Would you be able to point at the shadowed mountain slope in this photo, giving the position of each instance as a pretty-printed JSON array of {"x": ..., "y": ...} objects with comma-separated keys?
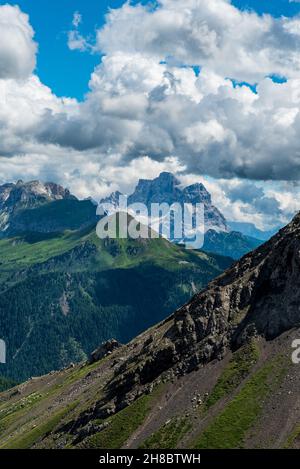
[
  {"x": 61, "y": 294},
  {"x": 216, "y": 374}
]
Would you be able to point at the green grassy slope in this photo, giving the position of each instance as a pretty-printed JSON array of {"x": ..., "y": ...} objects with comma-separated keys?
[
  {"x": 22, "y": 252},
  {"x": 64, "y": 294},
  {"x": 55, "y": 410}
]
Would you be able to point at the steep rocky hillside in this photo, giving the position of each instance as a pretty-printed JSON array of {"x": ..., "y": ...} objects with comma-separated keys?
[{"x": 216, "y": 374}]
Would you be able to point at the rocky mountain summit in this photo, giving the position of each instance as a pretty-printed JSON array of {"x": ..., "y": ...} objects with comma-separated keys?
[
  {"x": 57, "y": 208},
  {"x": 28, "y": 194},
  {"x": 217, "y": 373},
  {"x": 166, "y": 188}
]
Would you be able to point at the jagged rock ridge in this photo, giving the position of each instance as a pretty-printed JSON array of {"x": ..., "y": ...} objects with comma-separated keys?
[
  {"x": 258, "y": 296},
  {"x": 166, "y": 188}
]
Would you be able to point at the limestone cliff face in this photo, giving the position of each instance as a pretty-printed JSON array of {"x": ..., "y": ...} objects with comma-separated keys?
[
  {"x": 166, "y": 188},
  {"x": 29, "y": 194}
]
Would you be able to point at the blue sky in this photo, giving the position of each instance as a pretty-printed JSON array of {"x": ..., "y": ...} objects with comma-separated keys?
[
  {"x": 274, "y": 7},
  {"x": 67, "y": 72}
]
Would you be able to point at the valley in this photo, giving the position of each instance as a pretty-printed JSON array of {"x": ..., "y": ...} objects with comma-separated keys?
[
  {"x": 67, "y": 291},
  {"x": 216, "y": 374}
]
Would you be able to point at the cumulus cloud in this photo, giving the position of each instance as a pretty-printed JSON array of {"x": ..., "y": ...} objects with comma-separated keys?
[
  {"x": 147, "y": 99},
  {"x": 171, "y": 92},
  {"x": 17, "y": 47},
  {"x": 24, "y": 105},
  {"x": 140, "y": 107},
  {"x": 214, "y": 33}
]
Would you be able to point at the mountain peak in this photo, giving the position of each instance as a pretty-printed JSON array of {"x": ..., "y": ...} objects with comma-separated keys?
[
  {"x": 30, "y": 193},
  {"x": 41, "y": 207},
  {"x": 197, "y": 193},
  {"x": 165, "y": 182},
  {"x": 113, "y": 199},
  {"x": 166, "y": 188},
  {"x": 167, "y": 177}
]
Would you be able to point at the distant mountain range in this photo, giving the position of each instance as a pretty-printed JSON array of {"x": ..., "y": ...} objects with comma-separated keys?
[
  {"x": 63, "y": 290},
  {"x": 249, "y": 229},
  {"x": 233, "y": 244},
  {"x": 216, "y": 374},
  {"x": 166, "y": 188}
]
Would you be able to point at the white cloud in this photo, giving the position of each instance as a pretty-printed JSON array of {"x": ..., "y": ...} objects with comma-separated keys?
[
  {"x": 24, "y": 105},
  {"x": 17, "y": 47},
  {"x": 77, "y": 19},
  {"x": 213, "y": 33},
  {"x": 76, "y": 41},
  {"x": 144, "y": 102},
  {"x": 148, "y": 108}
]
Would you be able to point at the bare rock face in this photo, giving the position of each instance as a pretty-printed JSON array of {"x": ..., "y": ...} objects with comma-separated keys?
[
  {"x": 166, "y": 188},
  {"x": 258, "y": 296},
  {"x": 20, "y": 196},
  {"x": 13, "y": 196},
  {"x": 104, "y": 350}
]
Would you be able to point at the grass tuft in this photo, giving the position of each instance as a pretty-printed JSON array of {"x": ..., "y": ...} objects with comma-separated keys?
[{"x": 168, "y": 436}]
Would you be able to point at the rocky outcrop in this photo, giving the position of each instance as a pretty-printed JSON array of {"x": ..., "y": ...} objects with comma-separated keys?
[
  {"x": 167, "y": 189},
  {"x": 104, "y": 350},
  {"x": 21, "y": 194}
]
